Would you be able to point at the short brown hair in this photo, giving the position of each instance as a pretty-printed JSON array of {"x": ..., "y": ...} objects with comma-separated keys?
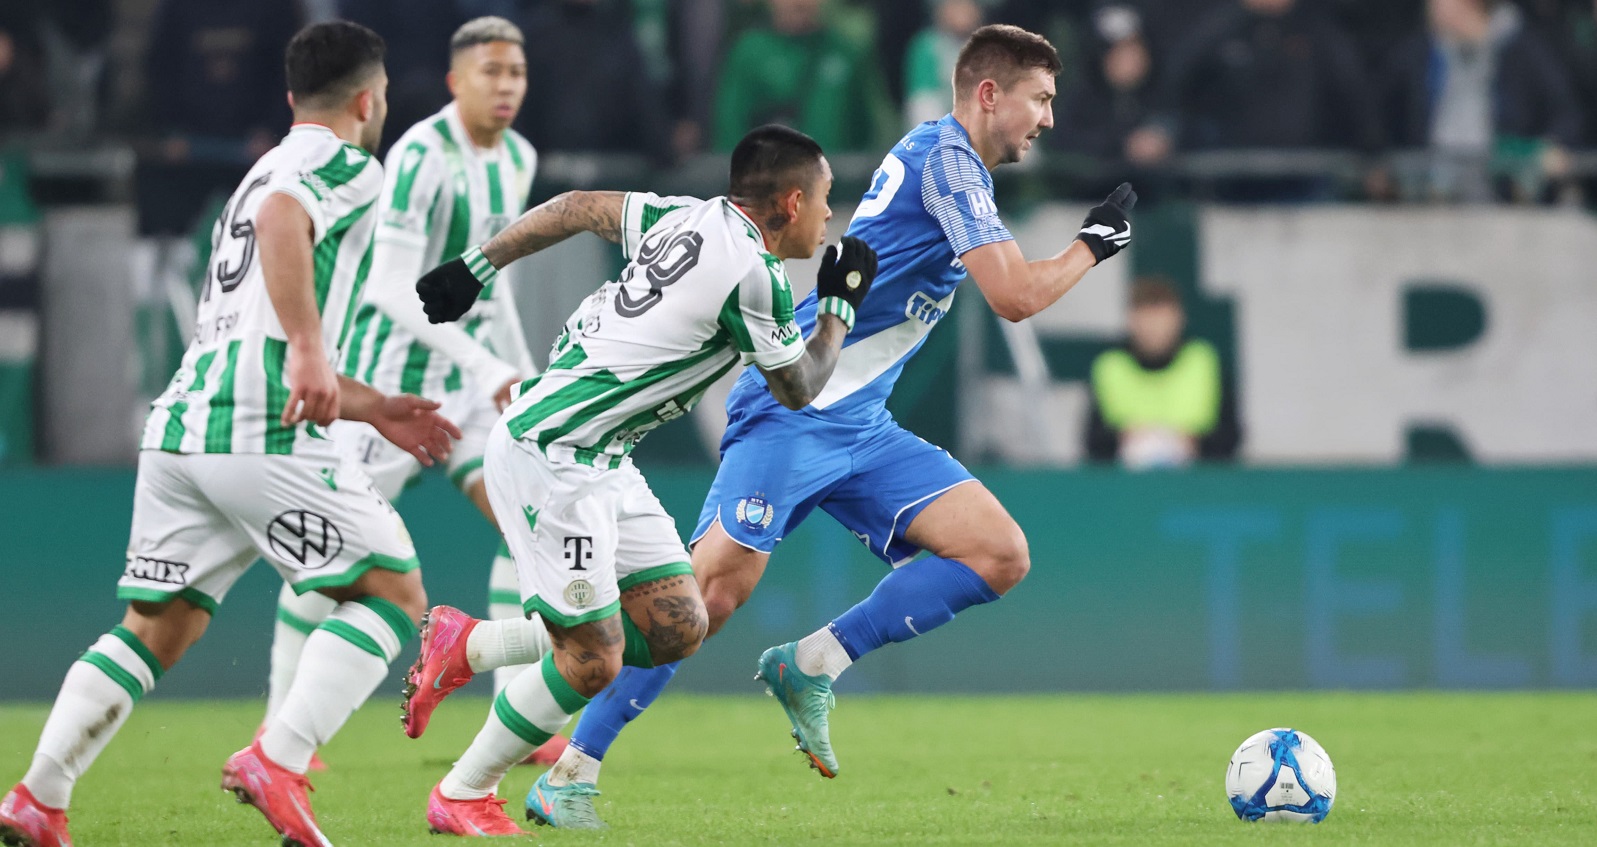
[
  {"x": 1004, "y": 54},
  {"x": 1154, "y": 290}
]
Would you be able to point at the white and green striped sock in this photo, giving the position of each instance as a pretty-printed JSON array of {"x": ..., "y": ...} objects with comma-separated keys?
[
  {"x": 298, "y": 615},
  {"x": 343, "y": 662},
  {"x": 504, "y": 604},
  {"x": 96, "y": 697},
  {"x": 532, "y": 708}
]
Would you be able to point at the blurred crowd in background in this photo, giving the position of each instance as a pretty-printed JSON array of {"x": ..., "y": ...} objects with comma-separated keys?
[
  {"x": 160, "y": 106},
  {"x": 1511, "y": 83}
]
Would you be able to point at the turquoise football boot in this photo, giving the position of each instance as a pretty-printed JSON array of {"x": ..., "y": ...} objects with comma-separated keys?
[
  {"x": 563, "y": 806},
  {"x": 806, "y": 700}
]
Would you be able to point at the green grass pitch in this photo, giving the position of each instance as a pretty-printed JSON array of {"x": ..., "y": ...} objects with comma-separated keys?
[{"x": 1442, "y": 769}]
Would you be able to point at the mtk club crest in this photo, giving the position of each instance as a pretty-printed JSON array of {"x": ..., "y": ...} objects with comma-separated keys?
[{"x": 755, "y": 512}]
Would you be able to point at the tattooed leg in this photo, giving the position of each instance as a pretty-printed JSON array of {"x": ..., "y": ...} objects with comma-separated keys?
[{"x": 670, "y": 614}]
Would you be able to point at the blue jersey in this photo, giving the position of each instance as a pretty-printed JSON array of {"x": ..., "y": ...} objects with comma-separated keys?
[{"x": 930, "y": 202}]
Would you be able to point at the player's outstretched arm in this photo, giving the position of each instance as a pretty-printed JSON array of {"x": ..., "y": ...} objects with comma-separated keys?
[
  {"x": 448, "y": 290},
  {"x": 284, "y": 234},
  {"x": 555, "y": 220},
  {"x": 410, "y": 422},
  {"x": 1017, "y": 289},
  {"x": 845, "y": 276}
]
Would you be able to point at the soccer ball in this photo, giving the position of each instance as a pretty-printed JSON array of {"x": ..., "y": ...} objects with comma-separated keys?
[{"x": 1281, "y": 775}]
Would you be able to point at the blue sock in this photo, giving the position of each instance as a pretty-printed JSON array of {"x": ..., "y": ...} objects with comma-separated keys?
[
  {"x": 912, "y": 600},
  {"x": 613, "y": 708}
]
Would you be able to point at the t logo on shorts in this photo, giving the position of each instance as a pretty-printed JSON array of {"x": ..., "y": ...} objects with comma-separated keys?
[
  {"x": 306, "y": 537},
  {"x": 579, "y": 549}
]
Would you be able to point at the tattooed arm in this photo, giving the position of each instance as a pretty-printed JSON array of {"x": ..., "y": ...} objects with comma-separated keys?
[
  {"x": 798, "y": 384},
  {"x": 552, "y": 222}
]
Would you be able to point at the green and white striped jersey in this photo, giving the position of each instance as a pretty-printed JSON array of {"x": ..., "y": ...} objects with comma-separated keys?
[
  {"x": 442, "y": 195},
  {"x": 700, "y": 294},
  {"x": 228, "y": 394}
]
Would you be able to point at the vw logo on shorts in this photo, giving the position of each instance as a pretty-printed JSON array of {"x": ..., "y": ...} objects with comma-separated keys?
[
  {"x": 580, "y": 593},
  {"x": 755, "y": 512},
  {"x": 306, "y": 538}
]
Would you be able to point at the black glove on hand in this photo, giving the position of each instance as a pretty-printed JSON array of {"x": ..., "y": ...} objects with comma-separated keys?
[
  {"x": 845, "y": 276},
  {"x": 1107, "y": 231},
  {"x": 449, "y": 290}
]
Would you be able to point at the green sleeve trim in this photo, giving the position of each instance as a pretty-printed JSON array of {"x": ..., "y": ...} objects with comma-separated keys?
[
  {"x": 504, "y": 549},
  {"x": 513, "y": 721},
  {"x": 654, "y": 573},
  {"x": 570, "y": 701},
  {"x": 153, "y": 595},
  {"x": 356, "y": 571},
  {"x": 635, "y": 652},
  {"x": 354, "y": 636},
  {"x": 294, "y": 622},
  {"x": 397, "y": 619},
  {"x": 563, "y": 620},
  {"x": 116, "y": 672},
  {"x": 137, "y": 646}
]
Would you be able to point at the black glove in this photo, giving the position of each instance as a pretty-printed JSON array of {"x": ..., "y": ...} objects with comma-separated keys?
[
  {"x": 449, "y": 290},
  {"x": 845, "y": 276},
  {"x": 1107, "y": 231}
]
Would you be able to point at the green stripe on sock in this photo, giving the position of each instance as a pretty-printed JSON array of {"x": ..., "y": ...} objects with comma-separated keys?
[
  {"x": 517, "y": 724},
  {"x": 636, "y": 650},
  {"x": 116, "y": 672},
  {"x": 458, "y": 475},
  {"x": 354, "y": 636},
  {"x": 294, "y": 622},
  {"x": 504, "y": 595},
  {"x": 570, "y": 701},
  {"x": 395, "y": 617},
  {"x": 133, "y": 642}
]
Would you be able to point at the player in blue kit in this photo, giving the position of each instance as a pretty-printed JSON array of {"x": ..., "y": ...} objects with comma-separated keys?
[{"x": 931, "y": 216}]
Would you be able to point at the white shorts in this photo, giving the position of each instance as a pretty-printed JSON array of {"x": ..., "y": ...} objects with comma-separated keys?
[
  {"x": 393, "y": 469},
  {"x": 580, "y": 535},
  {"x": 200, "y": 520}
]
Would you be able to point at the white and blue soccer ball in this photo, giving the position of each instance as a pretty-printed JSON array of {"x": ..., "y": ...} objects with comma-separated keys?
[{"x": 1281, "y": 775}]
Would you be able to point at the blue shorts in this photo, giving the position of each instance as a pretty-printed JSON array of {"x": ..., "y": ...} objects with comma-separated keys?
[{"x": 777, "y": 466}]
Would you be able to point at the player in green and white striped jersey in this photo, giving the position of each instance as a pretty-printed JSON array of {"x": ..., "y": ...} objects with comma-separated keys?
[
  {"x": 599, "y": 559},
  {"x": 234, "y": 465},
  {"x": 452, "y": 180}
]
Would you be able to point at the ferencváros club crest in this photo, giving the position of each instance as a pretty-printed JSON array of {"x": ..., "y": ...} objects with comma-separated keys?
[{"x": 755, "y": 512}]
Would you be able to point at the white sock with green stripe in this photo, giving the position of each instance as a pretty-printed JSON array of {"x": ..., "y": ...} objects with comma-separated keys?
[
  {"x": 532, "y": 708},
  {"x": 96, "y": 697},
  {"x": 298, "y": 615},
  {"x": 344, "y": 661},
  {"x": 504, "y": 604}
]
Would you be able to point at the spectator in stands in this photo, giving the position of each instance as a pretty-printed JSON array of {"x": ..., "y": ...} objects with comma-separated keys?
[
  {"x": 1486, "y": 92},
  {"x": 1578, "y": 42},
  {"x": 24, "y": 104},
  {"x": 1109, "y": 100},
  {"x": 1261, "y": 73},
  {"x": 77, "y": 36},
  {"x": 1159, "y": 400},
  {"x": 588, "y": 88},
  {"x": 929, "y": 66},
  {"x": 803, "y": 73},
  {"x": 417, "y": 35},
  {"x": 215, "y": 94}
]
